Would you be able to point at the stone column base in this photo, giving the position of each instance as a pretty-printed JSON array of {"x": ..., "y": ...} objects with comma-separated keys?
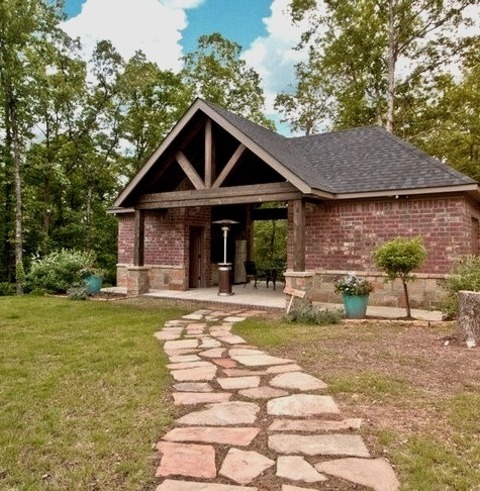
[
  {"x": 299, "y": 280},
  {"x": 138, "y": 281}
]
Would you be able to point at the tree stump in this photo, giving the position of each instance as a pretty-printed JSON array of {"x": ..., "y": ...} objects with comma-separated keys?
[{"x": 468, "y": 324}]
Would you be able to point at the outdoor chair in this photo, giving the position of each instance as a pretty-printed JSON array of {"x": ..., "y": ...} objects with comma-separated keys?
[
  {"x": 251, "y": 272},
  {"x": 268, "y": 274}
]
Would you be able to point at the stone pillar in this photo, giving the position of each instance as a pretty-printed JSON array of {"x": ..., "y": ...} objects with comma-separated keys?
[
  {"x": 138, "y": 281},
  {"x": 300, "y": 280}
]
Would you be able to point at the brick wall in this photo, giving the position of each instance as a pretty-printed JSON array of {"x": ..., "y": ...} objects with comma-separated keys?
[
  {"x": 166, "y": 245},
  {"x": 125, "y": 238},
  {"x": 342, "y": 236}
]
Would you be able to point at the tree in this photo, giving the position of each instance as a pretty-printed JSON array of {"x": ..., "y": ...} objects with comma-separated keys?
[
  {"x": 152, "y": 102},
  {"x": 359, "y": 45},
  {"x": 453, "y": 106},
  {"x": 398, "y": 258},
  {"x": 310, "y": 103},
  {"x": 216, "y": 73},
  {"x": 28, "y": 30}
]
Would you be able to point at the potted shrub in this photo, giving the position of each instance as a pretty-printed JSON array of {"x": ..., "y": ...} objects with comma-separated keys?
[{"x": 355, "y": 292}]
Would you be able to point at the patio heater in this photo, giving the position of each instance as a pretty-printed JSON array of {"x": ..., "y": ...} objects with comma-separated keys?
[{"x": 225, "y": 268}]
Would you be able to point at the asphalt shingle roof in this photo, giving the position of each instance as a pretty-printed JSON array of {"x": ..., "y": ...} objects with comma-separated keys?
[{"x": 359, "y": 160}]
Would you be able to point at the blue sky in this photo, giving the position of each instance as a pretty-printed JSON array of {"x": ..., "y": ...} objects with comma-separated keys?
[{"x": 239, "y": 20}]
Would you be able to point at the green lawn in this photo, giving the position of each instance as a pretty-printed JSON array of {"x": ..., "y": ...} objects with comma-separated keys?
[
  {"x": 419, "y": 398},
  {"x": 83, "y": 394}
]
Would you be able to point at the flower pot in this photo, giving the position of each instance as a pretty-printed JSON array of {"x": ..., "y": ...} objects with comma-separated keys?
[
  {"x": 93, "y": 284},
  {"x": 355, "y": 306}
]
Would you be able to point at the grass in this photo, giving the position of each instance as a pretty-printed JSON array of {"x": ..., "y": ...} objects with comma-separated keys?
[
  {"x": 83, "y": 391},
  {"x": 419, "y": 400}
]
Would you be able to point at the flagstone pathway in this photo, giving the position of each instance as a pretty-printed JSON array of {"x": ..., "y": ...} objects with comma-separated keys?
[{"x": 251, "y": 421}]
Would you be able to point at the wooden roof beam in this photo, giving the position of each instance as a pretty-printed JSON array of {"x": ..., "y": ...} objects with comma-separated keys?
[
  {"x": 230, "y": 165},
  {"x": 191, "y": 173}
]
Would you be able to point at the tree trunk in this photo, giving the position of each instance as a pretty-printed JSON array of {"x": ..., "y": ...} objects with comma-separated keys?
[
  {"x": 468, "y": 324},
  {"x": 392, "y": 60},
  {"x": 407, "y": 299},
  {"x": 17, "y": 165}
]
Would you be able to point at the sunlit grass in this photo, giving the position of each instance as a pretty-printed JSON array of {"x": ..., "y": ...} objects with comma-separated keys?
[{"x": 84, "y": 394}]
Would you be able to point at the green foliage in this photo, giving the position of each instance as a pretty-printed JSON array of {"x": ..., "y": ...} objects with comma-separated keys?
[
  {"x": 217, "y": 73},
  {"x": 465, "y": 276},
  {"x": 305, "y": 313},
  {"x": 60, "y": 270},
  {"x": 400, "y": 256},
  {"x": 352, "y": 285},
  {"x": 7, "y": 289},
  {"x": 77, "y": 293}
]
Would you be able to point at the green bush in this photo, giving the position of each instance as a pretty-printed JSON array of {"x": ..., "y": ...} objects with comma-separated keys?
[
  {"x": 398, "y": 258},
  {"x": 60, "y": 270},
  {"x": 305, "y": 313},
  {"x": 465, "y": 276},
  {"x": 7, "y": 289},
  {"x": 77, "y": 293}
]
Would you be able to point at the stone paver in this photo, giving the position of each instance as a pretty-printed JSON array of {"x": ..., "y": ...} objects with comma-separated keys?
[
  {"x": 297, "y": 469},
  {"x": 194, "y": 374},
  {"x": 223, "y": 414},
  {"x": 297, "y": 380},
  {"x": 188, "y": 364},
  {"x": 238, "y": 382},
  {"x": 184, "y": 358},
  {"x": 314, "y": 425},
  {"x": 191, "y": 460},
  {"x": 242, "y": 372},
  {"x": 245, "y": 352},
  {"x": 213, "y": 353},
  {"x": 224, "y": 362},
  {"x": 232, "y": 339},
  {"x": 170, "y": 485},
  {"x": 186, "y": 398},
  {"x": 335, "y": 444},
  {"x": 224, "y": 436},
  {"x": 226, "y": 387},
  {"x": 193, "y": 387},
  {"x": 302, "y": 405},
  {"x": 208, "y": 343},
  {"x": 262, "y": 393},
  {"x": 181, "y": 344},
  {"x": 259, "y": 360},
  {"x": 376, "y": 474},
  {"x": 284, "y": 368},
  {"x": 244, "y": 466}
]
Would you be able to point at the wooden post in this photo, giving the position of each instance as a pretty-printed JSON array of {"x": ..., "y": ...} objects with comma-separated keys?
[
  {"x": 298, "y": 206},
  {"x": 249, "y": 231},
  {"x": 138, "y": 238},
  {"x": 468, "y": 324},
  {"x": 209, "y": 160}
]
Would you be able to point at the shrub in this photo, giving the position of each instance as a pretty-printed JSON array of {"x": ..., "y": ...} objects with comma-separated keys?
[
  {"x": 398, "y": 258},
  {"x": 77, "y": 293},
  {"x": 465, "y": 276},
  {"x": 7, "y": 289},
  {"x": 60, "y": 270},
  {"x": 307, "y": 314}
]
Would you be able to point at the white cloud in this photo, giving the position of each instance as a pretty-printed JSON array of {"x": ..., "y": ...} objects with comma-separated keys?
[
  {"x": 273, "y": 56},
  {"x": 153, "y": 26}
]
